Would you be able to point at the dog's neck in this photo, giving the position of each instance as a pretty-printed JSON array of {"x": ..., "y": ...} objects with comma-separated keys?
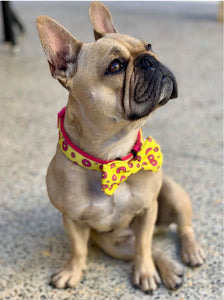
[{"x": 94, "y": 140}]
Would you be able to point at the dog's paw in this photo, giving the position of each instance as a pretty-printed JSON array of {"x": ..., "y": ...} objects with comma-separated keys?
[
  {"x": 192, "y": 253},
  {"x": 172, "y": 274},
  {"x": 146, "y": 278},
  {"x": 66, "y": 277}
]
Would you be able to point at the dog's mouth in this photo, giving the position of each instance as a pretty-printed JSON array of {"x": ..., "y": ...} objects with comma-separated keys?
[
  {"x": 166, "y": 90},
  {"x": 153, "y": 85}
]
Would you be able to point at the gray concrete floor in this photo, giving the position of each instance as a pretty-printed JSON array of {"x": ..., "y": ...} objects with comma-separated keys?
[{"x": 188, "y": 39}]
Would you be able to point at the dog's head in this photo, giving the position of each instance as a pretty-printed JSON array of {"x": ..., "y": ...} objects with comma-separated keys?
[{"x": 116, "y": 79}]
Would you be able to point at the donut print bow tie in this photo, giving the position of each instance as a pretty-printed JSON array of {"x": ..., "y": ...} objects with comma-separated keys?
[
  {"x": 148, "y": 158},
  {"x": 145, "y": 155}
]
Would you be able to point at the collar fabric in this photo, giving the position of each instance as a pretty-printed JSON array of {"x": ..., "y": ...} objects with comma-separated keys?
[{"x": 145, "y": 155}]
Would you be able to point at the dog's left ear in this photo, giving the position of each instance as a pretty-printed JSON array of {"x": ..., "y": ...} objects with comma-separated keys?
[
  {"x": 60, "y": 47},
  {"x": 101, "y": 19}
]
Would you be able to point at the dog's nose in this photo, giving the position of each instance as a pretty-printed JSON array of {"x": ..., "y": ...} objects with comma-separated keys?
[{"x": 146, "y": 61}]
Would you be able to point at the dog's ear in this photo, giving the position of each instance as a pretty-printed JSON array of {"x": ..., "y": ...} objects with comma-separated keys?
[
  {"x": 60, "y": 47},
  {"x": 101, "y": 19}
]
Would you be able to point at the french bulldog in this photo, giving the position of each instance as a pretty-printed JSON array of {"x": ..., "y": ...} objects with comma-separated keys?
[{"x": 114, "y": 84}]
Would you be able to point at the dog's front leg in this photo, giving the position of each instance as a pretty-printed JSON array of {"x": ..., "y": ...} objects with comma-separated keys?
[
  {"x": 71, "y": 274},
  {"x": 145, "y": 275}
]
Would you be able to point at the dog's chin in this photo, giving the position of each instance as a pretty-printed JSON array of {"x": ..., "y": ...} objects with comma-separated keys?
[{"x": 135, "y": 116}]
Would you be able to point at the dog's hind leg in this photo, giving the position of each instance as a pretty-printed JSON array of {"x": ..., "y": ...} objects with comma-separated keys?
[
  {"x": 175, "y": 207},
  {"x": 118, "y": 244},
  {"x": 170, "y": 271}
]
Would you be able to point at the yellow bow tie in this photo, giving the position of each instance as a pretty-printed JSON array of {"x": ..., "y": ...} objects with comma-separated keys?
[
  {"x": 148, "y": 158},
  {"x": 144, "y": 156}
]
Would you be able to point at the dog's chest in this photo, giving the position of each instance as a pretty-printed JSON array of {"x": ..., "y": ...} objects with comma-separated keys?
[{"x": 104, "y": 213}]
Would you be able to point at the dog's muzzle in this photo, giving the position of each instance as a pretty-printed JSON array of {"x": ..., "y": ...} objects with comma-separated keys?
[{"x": 153, "y": 85}]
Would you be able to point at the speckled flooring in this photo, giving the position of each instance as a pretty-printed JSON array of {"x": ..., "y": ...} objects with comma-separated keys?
[{"x": 33, "y": 243}]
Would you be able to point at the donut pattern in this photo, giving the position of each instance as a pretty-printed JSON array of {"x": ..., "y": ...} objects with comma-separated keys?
[{"x": 148, "y": 158}]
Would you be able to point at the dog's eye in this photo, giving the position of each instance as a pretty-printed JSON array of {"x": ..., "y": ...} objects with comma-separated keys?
[
  {"x": 148, "y": 47},
  {"x": 115, "y": 67}
]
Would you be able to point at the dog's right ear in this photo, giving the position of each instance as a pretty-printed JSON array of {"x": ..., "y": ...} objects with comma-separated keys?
[
  {"x": 101, "y": 19},
  {"x": 60, "y": 47}
]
